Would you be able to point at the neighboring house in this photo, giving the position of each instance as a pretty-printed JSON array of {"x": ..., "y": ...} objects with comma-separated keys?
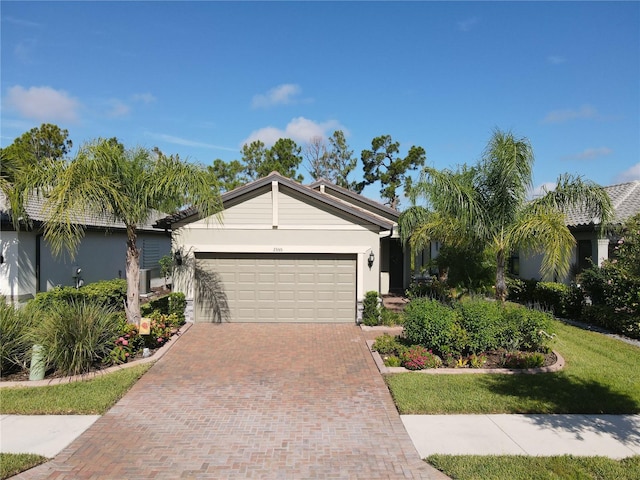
[
  {"x": 590, "y": 246},
  {"x": 284, "y": 252},
  {"x": 27, "y": 265}
]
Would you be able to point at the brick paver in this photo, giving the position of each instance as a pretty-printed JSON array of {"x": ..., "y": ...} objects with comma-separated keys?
[{"x": 230, "y": 401}]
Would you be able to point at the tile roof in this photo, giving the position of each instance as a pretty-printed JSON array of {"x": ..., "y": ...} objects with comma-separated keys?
[
  {"x": 35, "y": 210},
  {"x": 625, "y": 198}
]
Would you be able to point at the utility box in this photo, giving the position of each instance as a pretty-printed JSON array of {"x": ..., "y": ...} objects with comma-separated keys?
[{"x": 145, "y": 281}]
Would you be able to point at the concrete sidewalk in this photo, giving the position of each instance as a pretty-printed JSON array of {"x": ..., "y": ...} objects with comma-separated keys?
[
  {"x": 44, "y": 435},
  {"x": 615, "y": 436}
]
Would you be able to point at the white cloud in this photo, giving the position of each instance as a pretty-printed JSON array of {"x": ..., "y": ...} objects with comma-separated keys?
[
  {"x": 560, "y": 116},
  {"x": 118, "y": 109},
  {"x": 43, "y": 104},
  {"x": 630, "y": 174},
  {"x": 22, "y": 22},
  {"x": 589, "y": 154},
  {"x": 556, "y": 59},
  {"x": 188, "y": 143},
  {"x": 143, "y": 97},
  {"x": 300, "y": 130},
  {"x": 541, "y": 190},
  {"x": 280, "y": 95},
  {"x": 466, "y": 24}
]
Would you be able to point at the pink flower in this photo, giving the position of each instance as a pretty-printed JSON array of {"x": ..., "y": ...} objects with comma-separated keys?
[{"x": 125, "y": 342}]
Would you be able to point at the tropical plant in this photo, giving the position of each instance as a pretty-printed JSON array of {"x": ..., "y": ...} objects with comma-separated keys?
[
  {"x": 76, "y": 336},
  {"x": 14, "y": 346},
  {"x": 126, "y": 185},
  {"x": 487, "y": 205}
]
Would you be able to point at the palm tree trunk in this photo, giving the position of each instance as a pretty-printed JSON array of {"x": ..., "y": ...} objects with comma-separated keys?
[
  {"x": 501, "y": 284},
  {"x": 132, "y": 308}
]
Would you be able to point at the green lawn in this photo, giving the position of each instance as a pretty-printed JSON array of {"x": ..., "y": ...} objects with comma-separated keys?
[
  {"x": 92, "y": 397},
  {"x": 13, "y": 463},
  {"x": 470, "y": 467},
  {"x": 602, "y": 375}
]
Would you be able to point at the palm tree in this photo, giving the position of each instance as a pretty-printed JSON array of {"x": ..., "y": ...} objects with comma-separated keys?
[
  {"x": 126, "y": 185},
  {"x": 488, "y": 204}
]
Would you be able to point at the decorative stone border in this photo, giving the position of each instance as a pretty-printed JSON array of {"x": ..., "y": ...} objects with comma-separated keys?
[
  {"x": 159, "y": 353},
  {"x": 559, "y": 365}
]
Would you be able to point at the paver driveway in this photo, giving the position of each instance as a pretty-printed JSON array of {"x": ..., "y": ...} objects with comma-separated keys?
[{"x": 251, "y": 401}]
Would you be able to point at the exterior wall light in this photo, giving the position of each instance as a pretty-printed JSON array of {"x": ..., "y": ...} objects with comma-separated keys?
[
  {"x": 371, "y": 258},
  {"x": 177, "y": 256}
]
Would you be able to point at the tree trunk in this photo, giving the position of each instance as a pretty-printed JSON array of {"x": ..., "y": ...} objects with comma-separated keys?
[
  {"x": 132, "y": 308},
  {"x": 501, "y": 284}
]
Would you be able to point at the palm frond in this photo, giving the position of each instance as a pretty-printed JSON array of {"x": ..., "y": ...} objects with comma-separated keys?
[
  {"x": 573, "y": 194},
  {"x": 544, "y": 232}
]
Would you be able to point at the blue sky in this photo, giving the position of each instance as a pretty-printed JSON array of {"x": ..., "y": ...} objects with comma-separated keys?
[{"x": 201, "y": 78}]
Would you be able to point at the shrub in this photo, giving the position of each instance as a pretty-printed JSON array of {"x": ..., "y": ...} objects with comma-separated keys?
[
  {"x": 523, "y": 360},
  {"x": 370, "y": 309},
  {"x": 111, "y": 293},
  {"x": 418, "y": 358},
  {"x": 389, "y": 317},
  {"x": 431, "y": 324},
  {"x": 386, "y": 344},
  {"x": 174, "y": 303},
  {"x": 482, "y": 320},
  {"x": 522, "y": 328},
  {"x": 552, "y": 296},
  {"x": 75, "y": 336},
  {"x": 392, "y": 361},
  {"x": 14, "y": 346}
]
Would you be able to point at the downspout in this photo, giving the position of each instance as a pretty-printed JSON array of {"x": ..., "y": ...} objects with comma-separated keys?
[{"x": 38, "y": 256}]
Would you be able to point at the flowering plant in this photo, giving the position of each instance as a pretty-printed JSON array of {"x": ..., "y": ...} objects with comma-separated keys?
[{"x": 418, "y": 358}]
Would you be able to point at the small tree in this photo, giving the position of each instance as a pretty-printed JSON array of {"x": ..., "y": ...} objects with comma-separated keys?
[
  {"x": 383, "y": 163},
  {"x": 125, "y": 185}
]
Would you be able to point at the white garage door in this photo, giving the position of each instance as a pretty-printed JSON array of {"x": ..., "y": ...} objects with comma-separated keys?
[{"x": 276, "y": 288}]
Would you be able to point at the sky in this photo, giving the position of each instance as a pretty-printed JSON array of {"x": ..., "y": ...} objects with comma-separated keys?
[{"x": 200, "y": 79}]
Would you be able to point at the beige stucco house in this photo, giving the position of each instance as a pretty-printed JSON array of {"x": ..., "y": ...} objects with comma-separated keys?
[
  {"x": 28, "y": 266},
  {"x": 284, "y": 252},
  {"x": 591, "y": 244}
]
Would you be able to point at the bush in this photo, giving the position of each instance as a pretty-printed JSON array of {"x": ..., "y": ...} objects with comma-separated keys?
[
  {"x": 552, "y": 296},
  {"x": 418, "y": 358},
  {"x": 522, "y": 328},
  {"x": 523, "y": 360},
  {"x": 386, "y": 344},
  {"x": 482, "y": 320},
  {"x": 14, "y": 346},
  {"x": 110, "y": 293},
  {"x": 174, "y": 303},
  {"x": 431, "y": 324},
  {"x": 76, "y": 336},
  {"x": 370, "y": 309}
]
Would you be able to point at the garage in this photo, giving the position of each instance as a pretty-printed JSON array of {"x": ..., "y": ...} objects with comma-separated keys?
[
  {"x": 279, "y": 251},
  {"x": 283, "y": 287}
]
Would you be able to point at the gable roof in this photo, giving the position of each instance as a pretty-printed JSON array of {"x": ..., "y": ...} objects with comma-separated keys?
[
  {"x": 34, "y": 207},
  {"x": 625, "y": 198},
  {"x": 191, "y": 214},
  {"x": 355, "y": 199}
]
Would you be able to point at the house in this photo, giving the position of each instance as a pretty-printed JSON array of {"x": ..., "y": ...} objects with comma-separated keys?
[
  {"x": 590, "y": 246},
  {"x": 284, "y": 252},
  {"x": 28, "y": 266}
]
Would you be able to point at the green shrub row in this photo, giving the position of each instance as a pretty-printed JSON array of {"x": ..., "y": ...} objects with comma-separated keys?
[
  {"x": 110, "y": 293},
  {"x": 474, "y": 325}
]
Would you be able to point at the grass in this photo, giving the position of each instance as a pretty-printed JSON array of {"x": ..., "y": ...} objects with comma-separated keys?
[
  {"x": 601, "y": 375},
  {"x": 13, "y": 463},
  {"x": 92, "y": 397},
  {"x": 507, "y": 467}
]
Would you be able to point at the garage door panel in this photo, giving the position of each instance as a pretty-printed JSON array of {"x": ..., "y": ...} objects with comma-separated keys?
[{"x": 281, "y": 287}]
